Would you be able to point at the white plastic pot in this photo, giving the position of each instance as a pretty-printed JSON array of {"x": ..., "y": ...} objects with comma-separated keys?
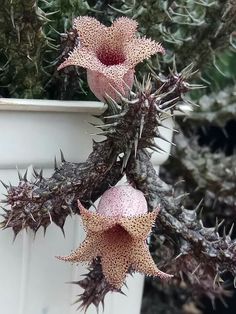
[{"x": 33, "y": 281}]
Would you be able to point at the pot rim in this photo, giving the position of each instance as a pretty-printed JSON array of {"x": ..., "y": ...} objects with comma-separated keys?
[{"x": 46, "y": 105}]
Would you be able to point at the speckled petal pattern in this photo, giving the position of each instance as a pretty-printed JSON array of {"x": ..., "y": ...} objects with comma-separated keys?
[
  {"x": 91, "y": 32},
  {"x": 139, "y": 49},
  {"x": 122, "y": 200},
  {"x": 109, "y": 54},
  {"x": 118, "y": 236},
  {"x": 95, "y": 222}
]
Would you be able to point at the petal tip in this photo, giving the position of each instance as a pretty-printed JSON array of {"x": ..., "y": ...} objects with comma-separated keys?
[
  {"x": 161, "y": 48},
  {"x": 61, "y": 258},
  {"x": 63, "y": 65},
  {"x": 81, "y": 207},
  {"x": 162, "y": 275}
]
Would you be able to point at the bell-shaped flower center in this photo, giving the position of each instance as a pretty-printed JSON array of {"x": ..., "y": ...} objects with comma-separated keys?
[
  {"x": 110, "y": 57},
  {"x": 117, "y": 235}
]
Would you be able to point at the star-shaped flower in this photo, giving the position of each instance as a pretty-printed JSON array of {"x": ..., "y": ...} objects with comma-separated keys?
[
  {"x": 119, "y": 240},
  {"x": 109, "y": 54}
]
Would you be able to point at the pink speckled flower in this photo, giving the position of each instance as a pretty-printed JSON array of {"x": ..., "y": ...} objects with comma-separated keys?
[
  {"x": 109, "y": 54},
  {"x": 117, "y": 234},
  {"x": 122, "y": 200}
]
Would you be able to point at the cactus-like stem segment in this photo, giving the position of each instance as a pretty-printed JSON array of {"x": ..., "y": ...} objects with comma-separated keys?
[
  {"x": 197, "y": 242},
  {"x": 213, "y": 173},
  {"x": 134, "y": 125},
  {"x": 43, "y": 201},
  {"x": 95, "y": 287}
]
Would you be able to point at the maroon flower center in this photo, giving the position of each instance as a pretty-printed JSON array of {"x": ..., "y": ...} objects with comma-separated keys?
[
  {"x": 117, "y": 235},
  {"x": 109, "y": 57}
]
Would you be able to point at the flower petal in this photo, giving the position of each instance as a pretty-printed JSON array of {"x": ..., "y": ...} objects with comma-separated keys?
[
  {"x": 116, "y": 251},
  {"x": 139, "y": 226},
  {"x": 95, "y": 222},
  {"x": 84, "y": 58},
  {"x": 91, "y": 32},
  {"x": 86, "y": 252},
  {"x": 115, "y": 72},
  {"x": 111, "y": 50},
  {"x": 114, "y": 268},
  {"x": 121, "y": 31},
  {"x": 143, "y": 262},
  {"x": 102, "y": 86},
  {"x": 122, "y": 200},
  {"x": 139, "y": 49},
  {"x": 88, "y": 59},
  {"x": 124, "y": 27}
]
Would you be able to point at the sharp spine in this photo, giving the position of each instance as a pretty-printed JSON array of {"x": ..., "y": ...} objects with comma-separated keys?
[
  {"x": 116, "y": 116},
  {"x": 125, "y": 159},
  {"x": 36, "y": 174},
  {"x": 218, "y": 224},
  {"x": 135, "y": 145},
  {"x": 224, "y": 233},
  {"x": 62, "y": 156},
  {"x": 41, "y": 174},
  {"x": 141, "y": 125},
  {"x": 165, "y": 139},
  {"x": 25, "y": 175},
  {"x": 231, "y": 230},
  {"x": 166, "y": 104},
  {"x": 5, "y": 185},
  {"x": 19, "y": 174},
  {"x": 155, "y": 145},
  {"x": 196, "y": 269},
  {"x": 198, "y": 205},
  {"x": 55, "y": 163},
  {"x": 108, "y": 125}
]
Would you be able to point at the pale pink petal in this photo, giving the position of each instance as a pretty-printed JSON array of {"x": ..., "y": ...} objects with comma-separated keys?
[
  {"x": 95, "y": 222},
  {"x": 118, "y": 34},
  {"x": 109, "y": 54},
  {"x": 115, "y": 72},
  {"x": 123, "y": 201},
  {"x": 115, "y": 258},
  {"x": 101, "y": 77},
  {"x": 139, "y": 49},
  {"x": 88, "y": 59},
  {"x": 139, "y": 226},
  {"x": 86, "y": 252},
  {"x": 84, "y": 58},
  {"x": 143, "y": 262},
  {"x": 124, "y": 28},
  {"x": 91, "y": 32},
  {"x": 121, "y": 31},
  {"x": 101, "y": 85}
]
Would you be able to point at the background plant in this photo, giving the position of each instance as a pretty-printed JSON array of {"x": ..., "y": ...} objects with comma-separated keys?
[{"x": 35, "y": 37}]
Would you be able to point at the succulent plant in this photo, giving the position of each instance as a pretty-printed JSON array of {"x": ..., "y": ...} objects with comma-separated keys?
[
  {"x": 208, "y": 176},
  {"x": 43, "y": 201},
  {"x": 204, "y": 155},
  {"x": 95, "y": 287},
  {"x": 36, "y": 37},
  {"x": 34, "y": 34},
  {"x": 198, "y": 244}
]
